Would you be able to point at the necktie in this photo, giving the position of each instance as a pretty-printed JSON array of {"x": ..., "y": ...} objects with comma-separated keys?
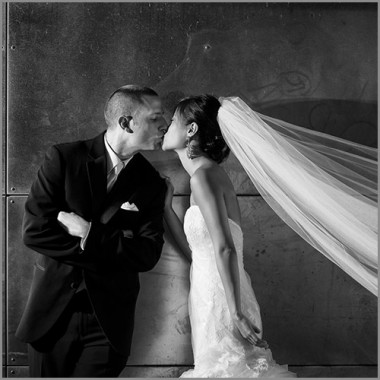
[
  {"x": 113, "y": 174},
  {"x": 111, "y": 179}
]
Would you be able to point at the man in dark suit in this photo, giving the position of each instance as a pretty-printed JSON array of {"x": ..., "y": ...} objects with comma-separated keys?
[{"x": 95, "y": 216}]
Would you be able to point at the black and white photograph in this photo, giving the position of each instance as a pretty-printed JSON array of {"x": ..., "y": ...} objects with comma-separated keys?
[{"x": 189, "y": 189}]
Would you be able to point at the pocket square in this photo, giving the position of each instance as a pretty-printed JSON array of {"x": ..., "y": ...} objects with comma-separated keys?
[
  {"x": 129, "y": 206},
  {"x": 128, "y": 234}
]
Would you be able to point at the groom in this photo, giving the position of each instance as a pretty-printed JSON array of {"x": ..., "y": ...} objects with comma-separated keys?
[{"x": 95, "y": 216}]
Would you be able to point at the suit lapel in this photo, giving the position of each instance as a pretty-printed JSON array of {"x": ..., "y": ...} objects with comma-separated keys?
[
  {"x": 97, "y": 173},
  {"x": 125, "y": 186}
]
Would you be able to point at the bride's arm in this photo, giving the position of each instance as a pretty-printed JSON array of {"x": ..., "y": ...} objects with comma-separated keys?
[
  {"x": 174, "y": 223},
  {"x": 209, "y": 198}
]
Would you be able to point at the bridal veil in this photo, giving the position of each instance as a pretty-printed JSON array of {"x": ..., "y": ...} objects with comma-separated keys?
[{"x": 323, "y": 187}]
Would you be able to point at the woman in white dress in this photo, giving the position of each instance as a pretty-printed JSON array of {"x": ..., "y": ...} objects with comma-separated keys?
[{"x": 224, "y": 313}]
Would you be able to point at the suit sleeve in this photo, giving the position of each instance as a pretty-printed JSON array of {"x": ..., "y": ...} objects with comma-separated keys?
[
  {"x": 142, "y": 252},
  {"x": 41, "y": 230}
]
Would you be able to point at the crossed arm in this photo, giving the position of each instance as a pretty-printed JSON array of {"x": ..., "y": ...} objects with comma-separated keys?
[{"x": 58, "y": 235}]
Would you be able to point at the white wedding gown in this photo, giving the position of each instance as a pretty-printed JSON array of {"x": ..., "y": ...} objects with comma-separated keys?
[{"x": 218, "y": 348}]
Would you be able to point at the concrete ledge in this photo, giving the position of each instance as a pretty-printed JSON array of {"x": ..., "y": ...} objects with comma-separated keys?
[
  {"x": 175, "y": 371},
  {"x": 335, "y": 371}
]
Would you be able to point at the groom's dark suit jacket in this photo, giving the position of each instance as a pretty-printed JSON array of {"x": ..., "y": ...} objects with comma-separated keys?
[{"x": 73, "y": 179}]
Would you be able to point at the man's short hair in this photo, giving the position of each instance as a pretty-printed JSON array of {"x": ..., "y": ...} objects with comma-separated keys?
[{"x": 125, "y": 101}]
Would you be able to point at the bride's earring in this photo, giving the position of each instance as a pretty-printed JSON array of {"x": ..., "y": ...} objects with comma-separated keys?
[{"x": 192, "y": 149}]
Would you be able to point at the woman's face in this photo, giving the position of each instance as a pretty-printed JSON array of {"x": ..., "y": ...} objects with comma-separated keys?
[{"x": 175, "y": 137}]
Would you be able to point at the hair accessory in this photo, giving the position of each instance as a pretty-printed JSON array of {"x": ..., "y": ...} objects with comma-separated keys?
[{"x": 192, "y": 149}]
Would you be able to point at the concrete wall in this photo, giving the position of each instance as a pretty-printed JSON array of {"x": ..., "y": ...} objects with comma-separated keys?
[{"x": 310, "y": 64}]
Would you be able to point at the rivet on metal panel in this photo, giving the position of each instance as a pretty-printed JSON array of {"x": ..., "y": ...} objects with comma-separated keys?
[
  {"x": 13, "y": 359},
  {"x": 13, "y": 188},
  {"x": 12, "y": 372},
  {"x": 13, "y": 47},
  {"x": 12, "y": 201}
]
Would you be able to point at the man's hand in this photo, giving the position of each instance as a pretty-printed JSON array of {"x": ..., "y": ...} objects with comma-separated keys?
[{"x": 73, "y": 224}]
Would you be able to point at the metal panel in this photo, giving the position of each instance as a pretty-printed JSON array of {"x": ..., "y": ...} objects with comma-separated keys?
[
  {"x": 17, "y": 371},
  {"x": 313, "y": 312},
  {"x": 20, "y": 271},
  {"x": 162, "y": 305},
  {"x": 3, "y": 279},
  {"x": 4, "y": 41},
  {"x": 66, "y": 58},
  {"x": 303, "y": 297}
]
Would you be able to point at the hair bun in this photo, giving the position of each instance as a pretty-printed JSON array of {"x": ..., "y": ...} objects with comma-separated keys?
[
  {"x": 203, "y": 110},
  {"x": 217, "y": 149}
]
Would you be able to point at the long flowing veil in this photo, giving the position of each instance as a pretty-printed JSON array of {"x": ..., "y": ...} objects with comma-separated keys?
[{"x": 323, "y": 187}]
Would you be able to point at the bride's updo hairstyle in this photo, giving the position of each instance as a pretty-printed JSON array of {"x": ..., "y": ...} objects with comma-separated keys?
[{"x": 203, "y": 110}]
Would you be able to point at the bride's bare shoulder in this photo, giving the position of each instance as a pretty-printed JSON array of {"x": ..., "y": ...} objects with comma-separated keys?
[{"x": 208, "y": 176}]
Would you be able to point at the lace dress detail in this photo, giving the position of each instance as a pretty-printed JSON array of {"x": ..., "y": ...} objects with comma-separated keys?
[{"x": 218, "y": 348}]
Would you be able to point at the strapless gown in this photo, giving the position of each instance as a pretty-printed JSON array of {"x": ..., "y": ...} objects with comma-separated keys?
[{"x": 218, "y": 348}]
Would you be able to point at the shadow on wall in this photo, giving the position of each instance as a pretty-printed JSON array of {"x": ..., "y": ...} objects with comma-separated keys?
[
  {"x": 296, "y": 71},
  {"x": 350, "y": 120}
]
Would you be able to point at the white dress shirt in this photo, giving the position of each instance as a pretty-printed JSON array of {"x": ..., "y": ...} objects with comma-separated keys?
[{"x": 114, "y": 166}]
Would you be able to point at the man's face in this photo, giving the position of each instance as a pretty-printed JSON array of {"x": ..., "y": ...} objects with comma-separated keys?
[{"x": 149, "y": 125}]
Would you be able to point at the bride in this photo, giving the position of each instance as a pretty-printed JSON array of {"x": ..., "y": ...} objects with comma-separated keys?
[
  {"x": 323, "y": 187},
  {"x": 224, "y": 314}
]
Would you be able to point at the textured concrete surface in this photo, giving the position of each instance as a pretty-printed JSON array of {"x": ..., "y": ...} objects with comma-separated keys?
[{"x": 310, "y": 64}]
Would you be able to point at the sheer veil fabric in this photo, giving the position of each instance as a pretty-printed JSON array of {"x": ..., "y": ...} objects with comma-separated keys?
[{"x": 323, "y": 187}]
